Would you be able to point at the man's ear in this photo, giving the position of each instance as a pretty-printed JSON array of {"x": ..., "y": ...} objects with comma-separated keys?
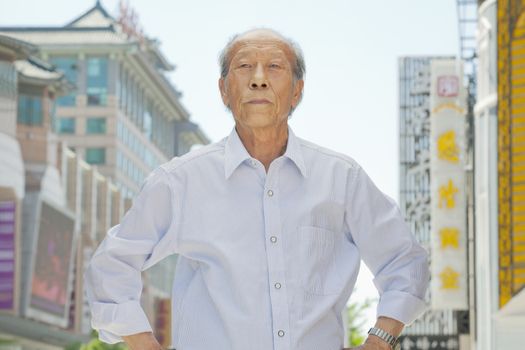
[
  {"x": 224, "y": 94},
  {"x": 297, "y": 92}
]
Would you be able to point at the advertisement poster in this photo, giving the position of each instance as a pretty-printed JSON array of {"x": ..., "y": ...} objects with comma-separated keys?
[{"x": 49, "y": 297}]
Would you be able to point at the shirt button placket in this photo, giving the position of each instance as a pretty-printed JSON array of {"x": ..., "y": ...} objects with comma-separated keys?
[{"x": 278, "y": 296}]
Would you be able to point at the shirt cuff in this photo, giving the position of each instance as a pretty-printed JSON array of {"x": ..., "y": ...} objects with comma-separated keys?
[
  {"x": 400, "y": 306},
  {"x": 116, "y": 320}
]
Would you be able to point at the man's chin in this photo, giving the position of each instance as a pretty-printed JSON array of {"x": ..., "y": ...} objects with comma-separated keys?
[{"x": 258, "y": 121}]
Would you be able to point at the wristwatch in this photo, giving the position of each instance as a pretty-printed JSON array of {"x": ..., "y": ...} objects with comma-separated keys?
[{"x": 389, "y": 338}]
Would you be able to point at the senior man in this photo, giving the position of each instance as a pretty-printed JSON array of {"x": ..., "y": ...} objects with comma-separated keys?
[{"x": 269, "y": 229}]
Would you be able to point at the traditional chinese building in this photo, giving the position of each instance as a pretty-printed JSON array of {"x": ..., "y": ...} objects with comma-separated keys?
[{"x": 124, "y": 117}]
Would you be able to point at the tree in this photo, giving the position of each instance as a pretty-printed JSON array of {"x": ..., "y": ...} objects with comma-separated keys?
[
  {"x": 356, "y": 321},
  {"x": 96, "y": 344}
]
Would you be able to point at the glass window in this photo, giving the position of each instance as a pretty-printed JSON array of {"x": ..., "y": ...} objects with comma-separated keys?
[
  {"x": 96, "y": 126},
  {"x": 147, "y": 122},
  {"x": 97, "y": 81},
  {"x": 30, "y": 109},
  {"x": 119, "y": 160},
  {"x": 119, "y": 130},
  {"x": 66, "y": 125},
  {"x": 68, "y": 65},
  {"x": 96, "y": 155}
]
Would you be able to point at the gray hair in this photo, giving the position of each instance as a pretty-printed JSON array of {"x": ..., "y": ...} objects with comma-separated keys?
[{"x": 299, "y": 67}]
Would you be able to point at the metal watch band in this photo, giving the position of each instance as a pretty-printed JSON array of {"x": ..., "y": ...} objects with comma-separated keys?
[{"x": 378, "y": 332}]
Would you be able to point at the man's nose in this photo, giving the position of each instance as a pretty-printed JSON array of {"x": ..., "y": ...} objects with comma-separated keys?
[{"x": 258, "y": 79}]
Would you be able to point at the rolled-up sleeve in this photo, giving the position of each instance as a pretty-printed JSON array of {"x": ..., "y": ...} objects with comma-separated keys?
[
  {"x": 112, "y": 279},
  {"x": 398, "y": 262}
]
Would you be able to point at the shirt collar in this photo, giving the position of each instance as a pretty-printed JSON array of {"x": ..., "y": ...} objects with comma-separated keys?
[{"x": 236, "y": 153}]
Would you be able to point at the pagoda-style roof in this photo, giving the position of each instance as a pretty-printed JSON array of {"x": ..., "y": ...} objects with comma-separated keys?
[
  {"x": 97, "y": 16},
  {"x": 34, "y": 71},
  {"x": 16, "y": 48},
  {"x": 94, "y": 27}
]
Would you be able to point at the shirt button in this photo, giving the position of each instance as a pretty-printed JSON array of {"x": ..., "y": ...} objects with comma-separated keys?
[
  {"x": 270, "y": 193},
  {"x": 277, "y": 285},
  {"x": 280, "y": 333},
  {"x": 273, "y": 239}
]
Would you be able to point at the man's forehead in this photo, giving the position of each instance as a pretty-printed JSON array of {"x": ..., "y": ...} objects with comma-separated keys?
[{"x": 260, "y": 41}]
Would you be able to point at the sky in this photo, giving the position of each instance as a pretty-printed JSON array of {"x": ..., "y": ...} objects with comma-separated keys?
[{"x": 351, "y": 49}]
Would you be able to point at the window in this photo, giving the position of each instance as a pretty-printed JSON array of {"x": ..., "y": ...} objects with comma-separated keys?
[
  {"x": 66, "y": 125},
  {"x": 96, "y": 126},
  {"x": 30, "y": 109},
  {"x": 97, "y": 81},
  {"x": 68, "y": 65},
  {"x": 146, "y": 123},
  {"x": 96, "y": 155}
]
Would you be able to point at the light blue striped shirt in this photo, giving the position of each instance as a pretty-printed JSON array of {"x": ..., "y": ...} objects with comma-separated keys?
[{"x": 266, "y": 260}]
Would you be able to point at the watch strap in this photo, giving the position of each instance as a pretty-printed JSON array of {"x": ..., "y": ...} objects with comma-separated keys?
[{"x": 387, "y": 337}]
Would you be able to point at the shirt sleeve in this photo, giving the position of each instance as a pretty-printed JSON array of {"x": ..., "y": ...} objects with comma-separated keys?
[
  {"x": 112, "y": 279},
  {"x": 398, "y": 262}
]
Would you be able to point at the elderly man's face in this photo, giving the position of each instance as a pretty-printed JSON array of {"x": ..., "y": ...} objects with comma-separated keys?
[{"x": 260, "y": 88}]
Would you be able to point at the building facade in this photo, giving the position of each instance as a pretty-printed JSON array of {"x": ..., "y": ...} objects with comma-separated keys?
[
  {"x": 124, "y": 116},
  {"x": 499, "y": 174},
  {"x": 90, "y": 113}
]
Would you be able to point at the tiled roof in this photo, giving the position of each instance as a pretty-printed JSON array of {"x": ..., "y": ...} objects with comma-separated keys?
[
  {"x": 66, "y": 36},
  {"x": 30, "y": 70}
]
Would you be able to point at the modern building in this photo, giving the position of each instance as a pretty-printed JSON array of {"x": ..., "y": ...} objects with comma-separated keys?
[
  {"x": 500, "y": 175},
  {"x": 35, "y": 283},
  {"x": 85, "y": 151},
  {"x": 124, "y": 116}
]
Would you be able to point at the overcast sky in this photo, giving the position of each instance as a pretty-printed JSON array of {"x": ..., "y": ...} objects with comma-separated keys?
[{"x": 351, "y": 49}]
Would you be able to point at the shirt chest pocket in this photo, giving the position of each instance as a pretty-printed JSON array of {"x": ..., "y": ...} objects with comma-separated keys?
[{"x": 320, "y": 260}]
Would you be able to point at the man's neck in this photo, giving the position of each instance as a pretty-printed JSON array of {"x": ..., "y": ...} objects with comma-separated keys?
[{"x": 264, "y": 144}]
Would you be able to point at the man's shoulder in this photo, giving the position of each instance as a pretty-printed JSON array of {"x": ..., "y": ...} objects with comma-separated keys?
[
  {"x": 316, "y": 153},
  {"x": 207, "y": 153}
]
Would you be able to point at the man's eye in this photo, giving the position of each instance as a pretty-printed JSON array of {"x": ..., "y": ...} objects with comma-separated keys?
[
  {"x": 274, "y": 65},
  {"x": 245, "y": 65}
]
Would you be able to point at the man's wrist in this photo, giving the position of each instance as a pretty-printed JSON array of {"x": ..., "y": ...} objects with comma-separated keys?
[{"x": 377, "y": 342}]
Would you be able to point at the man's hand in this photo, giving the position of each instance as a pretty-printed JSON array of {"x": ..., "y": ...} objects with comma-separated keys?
[
  {"x": 142, "y": 341},
  {"x": 390, "y": 325}
]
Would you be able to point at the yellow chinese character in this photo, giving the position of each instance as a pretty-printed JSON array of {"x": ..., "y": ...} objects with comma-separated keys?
[
  {"x": 449, "y": 279},
  {"x": 446, "y": 193},
  {"x": 447, "y": 148},
  {"x": 449, "y": 237}
]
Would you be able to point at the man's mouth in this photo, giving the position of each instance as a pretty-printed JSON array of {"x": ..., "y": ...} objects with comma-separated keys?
[{"x": 259, "y": 101}]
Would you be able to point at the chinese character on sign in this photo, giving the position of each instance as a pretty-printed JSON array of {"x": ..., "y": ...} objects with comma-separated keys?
[
  {"x": 407, "y": 344},
  {"x": 449, "y": 237},
  {"x": 448, "y": 149},
  {"x": 423, "y": 343},
  {"x": 449, "y": 279},
  {"x": 448, "y": 86},
  {"x": 452, "y": 344},
  {"x": 446, "y": 194}
]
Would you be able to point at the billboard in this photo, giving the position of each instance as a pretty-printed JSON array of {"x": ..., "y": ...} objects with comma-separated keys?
[
  {"x": 7, "y": 255},
  {"x": 50, "y": 283},
  {"x": 448, "y": 202}
]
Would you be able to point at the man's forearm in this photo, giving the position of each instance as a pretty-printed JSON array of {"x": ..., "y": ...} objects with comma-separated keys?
[{"x": 142, "y": 341}]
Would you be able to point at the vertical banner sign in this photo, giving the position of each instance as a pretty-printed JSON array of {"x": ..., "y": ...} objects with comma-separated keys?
[
  {"x": 447, "y": 183},
  {"x": 7, "y": 255}
]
